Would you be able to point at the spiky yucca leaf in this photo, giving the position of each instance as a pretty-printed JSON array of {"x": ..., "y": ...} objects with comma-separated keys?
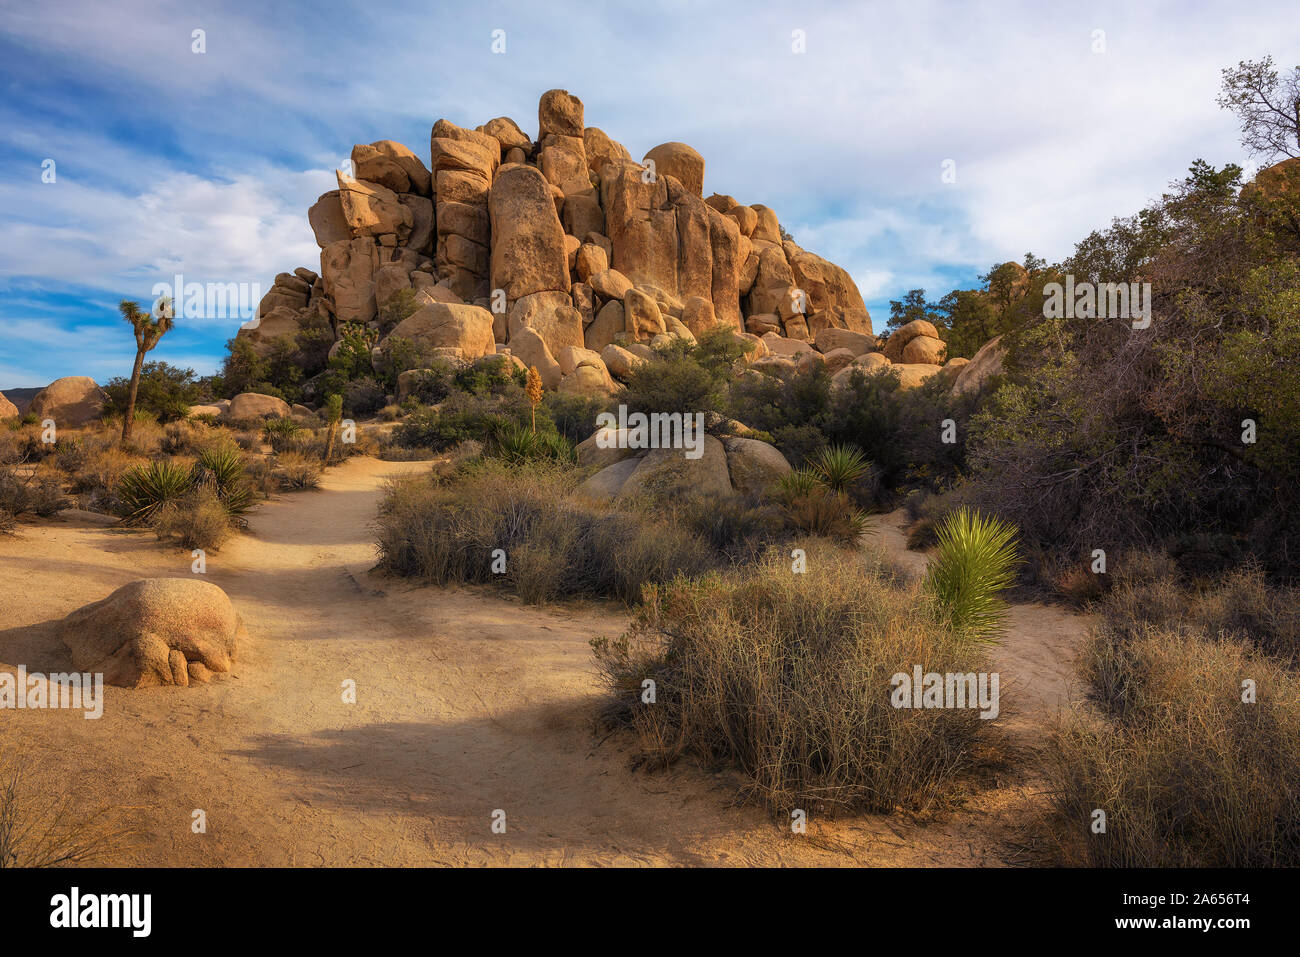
[
  {"x": 222, "y": 469},
  {"x": 975, "y": 559},
  {"x": 145, "y": 489},
  {"x": 280, "y": 427},
  {"x": 839, "y": 466}
]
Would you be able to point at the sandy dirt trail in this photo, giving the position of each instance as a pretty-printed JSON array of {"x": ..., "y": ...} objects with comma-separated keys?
[{"x": 467, "y": 702}]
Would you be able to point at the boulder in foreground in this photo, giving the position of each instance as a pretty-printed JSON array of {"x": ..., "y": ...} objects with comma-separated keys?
[{"x": 155, "y": 631}]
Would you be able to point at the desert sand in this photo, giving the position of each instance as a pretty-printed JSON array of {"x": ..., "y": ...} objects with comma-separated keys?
[{"x": 466, "y": 702}]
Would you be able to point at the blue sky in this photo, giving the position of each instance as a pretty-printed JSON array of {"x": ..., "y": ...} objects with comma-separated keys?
[{"x": 169, "y": 161}]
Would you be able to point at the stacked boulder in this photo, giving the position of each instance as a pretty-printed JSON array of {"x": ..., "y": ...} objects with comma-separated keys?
[{"x": 563, "y": 252}]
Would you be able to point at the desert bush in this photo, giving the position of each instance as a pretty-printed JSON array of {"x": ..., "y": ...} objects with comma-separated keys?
[
  {"x": 925, "y": 510},
  {"x": 260, "y": 473},
  {"x": 794, "y": 410},
  {"x": 287, "y": 369},
  {"x": 737, "y": 529},
  {"x": 788, "y": 678},
  {"x": 38, "y": 491},
  {"x": 1103, "y": 433},
  {"x": 100, "y": 474},
  {"x": 974, "y": 560},
  {"x": 1188, "y": 774},
  {"x": 462, "y": 415},
  {"x": 518, "y": 443},
  {"x": 250, "y": 440},
  {"x": 279, "y": 432},
  {"x": 1243, "y": 605},
  {"x": 295, "y": 471},
  {"x": 364, "y": 396},
  {"x": 897, "y": 430},
  {"x": 165, "y": 392},
  {"x": 827, "y": 514},
  {"x": 221, "y": 469},
  {"x": 812, "y": 507},
  {"x": 144, "y": 489},
  {"x": 70, "y": 453},
  {"x": 183, "y": 437},
  {"x": 683, "y": 377},
  {"x": 390, "y": 451},
  {"x": 198, "y": 519},
  {"x": 557, "y": 546},
  {"x": 574, "y": 415}
]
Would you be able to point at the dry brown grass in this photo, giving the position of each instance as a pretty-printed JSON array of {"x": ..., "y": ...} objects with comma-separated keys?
[
  {"x": 556, "y": 545},
  {"x": 1187, "y": 772},
  {"x": 197, "y": 520},
  {"x": 787, "y": 677}
]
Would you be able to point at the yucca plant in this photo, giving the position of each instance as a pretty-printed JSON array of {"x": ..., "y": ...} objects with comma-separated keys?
[
  {"x": 222, "y": 469},
  {"x": 557, "y": 447},
  {"x": 839, "y": 466},
  {"x": 796, "y": 484},
  {"x": 517, "y": 444},
  {"x": 145, "y": 489},
  {"x": 280, "y": 432},
  {"x": 975, "y": 559}
]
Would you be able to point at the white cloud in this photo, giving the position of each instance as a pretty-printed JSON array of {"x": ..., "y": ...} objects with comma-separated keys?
[
  {"x": 237, "y": 230},
  {"x": 844, "y": 142}
]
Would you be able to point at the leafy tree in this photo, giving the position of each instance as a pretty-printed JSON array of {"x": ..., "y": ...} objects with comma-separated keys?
[
  {"x": 1267, "y": 105},
  {"x": 913, "y": 306},
  {"x": 149, "y": 327},
  {"x": 163, "y": 390}
]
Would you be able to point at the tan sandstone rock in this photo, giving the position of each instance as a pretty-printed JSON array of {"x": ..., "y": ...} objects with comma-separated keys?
[
  {"x": 69, "y": 401},
  {"x": 145, "y": 632}
]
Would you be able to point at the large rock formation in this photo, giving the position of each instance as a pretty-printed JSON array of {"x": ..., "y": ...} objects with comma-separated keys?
[
  {"x": 567, "y": 240},
  {"x": 72, "y": 400}
]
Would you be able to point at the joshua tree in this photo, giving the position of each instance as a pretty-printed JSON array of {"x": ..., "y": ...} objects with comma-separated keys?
[{"x": 149, "y": 328}]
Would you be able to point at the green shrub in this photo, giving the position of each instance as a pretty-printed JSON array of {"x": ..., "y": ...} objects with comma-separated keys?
[
  {"x": 787, "y": 677},
  {"x": 221, "y": 468},
  {"x": 165, "y": 392},
  {"x": 145, "y": 489},
  {"x": 364, "y": 396},
  {"x": 462, "y": 416},
  {"x": 737, "y": 529},
  {"x": 685, "y": 378},
  {"x": 812, "y": 507},
  {"x": 975, "y": 560},
  {"x": 840, "y": 467},
  {"x": 39, "y": 492},
  {"x": 574, "y": 415}
]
